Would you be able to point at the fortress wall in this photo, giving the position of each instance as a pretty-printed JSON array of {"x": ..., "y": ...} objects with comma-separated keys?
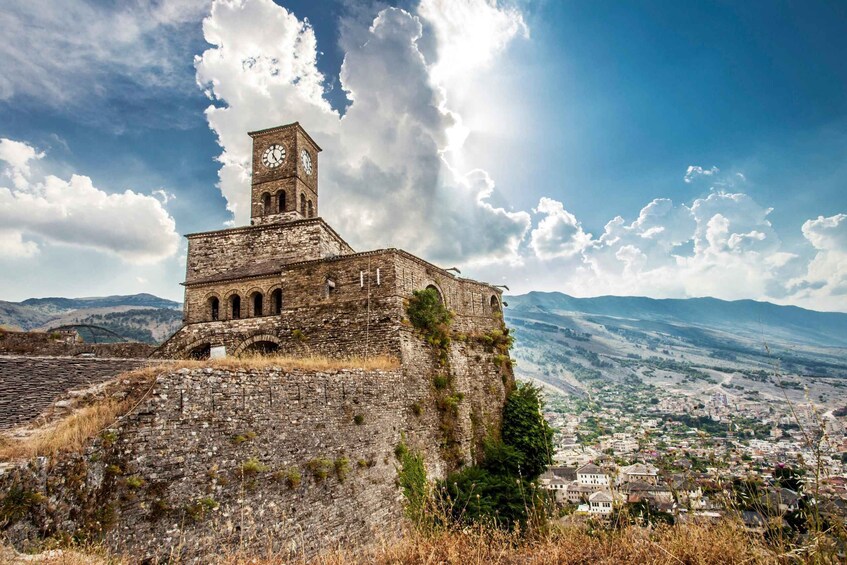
[
  {"x": 304, "y": 285},
  {"x": 316, "y": 330},
  {"x": 28, "y": 385},
  {"x": 184, "y": 448},
  {"x": 213, "y": 253}
]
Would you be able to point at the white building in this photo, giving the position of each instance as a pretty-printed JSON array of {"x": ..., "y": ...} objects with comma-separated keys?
[
  {"x": 592, "y": 476},
  {"x": 600, "y": 503}
]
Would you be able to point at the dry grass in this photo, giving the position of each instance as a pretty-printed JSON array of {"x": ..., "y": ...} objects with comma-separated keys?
[
  {"x": 68, "y": 433},
  {"x": 306, "y": 363},
  {"x": 725, "y": 542}
]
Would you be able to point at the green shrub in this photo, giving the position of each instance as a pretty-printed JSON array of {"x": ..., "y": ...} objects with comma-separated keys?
[
  {"x": 298, "y": 335},
  {"x": 134, "y": 482},
  {"x": 290, "y": 476},
  {"x": 253, "y": 467},
  {"x": 416, "y": 408},
  {"x": 440, "y": 382},
  {"x": 412, "y": 479},
  {"x": 359, "y": 419},
  {"x": 428, "y": 314},
  {"x": 320, "y": 468},
  {"x": 342, "y": 467},
  {"x": 241, "y": 438}
]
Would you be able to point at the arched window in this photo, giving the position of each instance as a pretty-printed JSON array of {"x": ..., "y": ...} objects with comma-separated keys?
[
  {"x": 266, "y": 203},
  {"x": 309, "y": 209},
  {"x": 303, "y": 205},
  {"x": 214, "y": 308},
  {"x": 257, "y": 304},
  {"x": 495, "y": 304},
  {"x": 280, "y": 201},
  {"x": 438, "y": 292},
  {"x": 276, "y": 301},
  {"x": 235, "y": 306}
]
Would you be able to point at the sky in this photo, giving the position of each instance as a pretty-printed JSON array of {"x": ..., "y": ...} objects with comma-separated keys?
[{"x": 663, "y": 149}]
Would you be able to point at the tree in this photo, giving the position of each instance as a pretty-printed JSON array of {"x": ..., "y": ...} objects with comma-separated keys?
[{"x": 525, "y": 430}]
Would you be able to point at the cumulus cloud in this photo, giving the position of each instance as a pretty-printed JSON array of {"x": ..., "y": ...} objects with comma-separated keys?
[
  {"x": 722, "y": 245},
  {"x": 695, "y": 171},
  {"x": 384, "y": 180},
  {"x": 559, "y": 233},
  {"x": 74, "y": 212},
  {"x": 825, "y": 279}
]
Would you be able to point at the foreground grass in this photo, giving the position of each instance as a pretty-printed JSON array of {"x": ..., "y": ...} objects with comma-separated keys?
[
  {"x": 70, "y": 432},
  {"x": 725, "y": 542}
]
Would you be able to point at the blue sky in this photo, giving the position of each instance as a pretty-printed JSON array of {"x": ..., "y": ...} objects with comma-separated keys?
[{"x": 647, "y": 148}]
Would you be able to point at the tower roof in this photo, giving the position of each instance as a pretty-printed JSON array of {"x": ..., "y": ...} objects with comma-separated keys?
[{"x": 283, "y": 127}]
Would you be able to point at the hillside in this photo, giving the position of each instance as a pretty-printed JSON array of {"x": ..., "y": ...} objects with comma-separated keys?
[
  {"x": 138, "y": 317},
  {"x": 686, "y": 346}
]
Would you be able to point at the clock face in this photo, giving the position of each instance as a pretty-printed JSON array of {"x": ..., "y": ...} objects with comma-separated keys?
[
  {"x": 307, "y": 161},
  {"x": 273, "y": 156}
]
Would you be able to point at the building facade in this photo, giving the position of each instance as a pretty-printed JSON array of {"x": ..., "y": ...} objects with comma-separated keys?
[{"x": 290, "y": 283}]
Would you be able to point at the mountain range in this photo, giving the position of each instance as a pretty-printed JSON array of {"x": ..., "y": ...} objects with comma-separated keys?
[{"x": 138, "y": 317}]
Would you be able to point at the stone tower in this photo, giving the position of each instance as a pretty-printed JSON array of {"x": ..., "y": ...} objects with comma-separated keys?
[{"x": 285, "y": 175}]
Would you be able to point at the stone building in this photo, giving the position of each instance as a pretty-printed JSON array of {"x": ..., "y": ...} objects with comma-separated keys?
[{"x": 290, "y": 283}]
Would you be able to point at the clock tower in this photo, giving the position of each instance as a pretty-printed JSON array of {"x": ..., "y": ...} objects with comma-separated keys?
[{"x": 285, "y": 175}]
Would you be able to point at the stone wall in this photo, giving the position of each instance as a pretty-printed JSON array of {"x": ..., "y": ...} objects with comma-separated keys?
[
  {"x": 36, "y": 343},
  {"x": 29, "y": 385},
  {"x": 357, "y": 315},
  {"x": 225, "y": 251},
  {"x": 206, "y": 463}
]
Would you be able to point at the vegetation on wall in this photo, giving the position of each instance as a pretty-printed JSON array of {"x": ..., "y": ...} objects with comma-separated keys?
[{"x": 499, "y": 492}]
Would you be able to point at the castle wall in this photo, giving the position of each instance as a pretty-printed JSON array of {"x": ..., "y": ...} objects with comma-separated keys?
[
  {"x": 368, "y": 299},
  {"x": 29, "y": 385},
  {"x": 223, "y": 251},
  {"x": 170, "y": 476}
]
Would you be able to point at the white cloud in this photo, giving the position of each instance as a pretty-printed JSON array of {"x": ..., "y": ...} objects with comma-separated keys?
[
  {"x": 695, "y": 171},
  {"x": 75, "y": 212},
  {"x": 558, "y": 234},
  {"x": 383, "y": 179},
  {"x": 75, "y": 53},
  {"x": 825, "y": 281}
]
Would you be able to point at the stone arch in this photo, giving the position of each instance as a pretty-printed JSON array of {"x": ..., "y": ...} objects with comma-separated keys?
[
  {"x": 280, "y": 201},
  {"x": 260, "y": 343},
  {"x": 256, "y": 302},
  {"x": 494, "y": 303},
  {"x": 275, "y": 302},
  {"x": 200, "y": 349},
  {"x": 213, "y": 306},
  {"x": 266, "y": 203},
  {"x": 438, "y": 290},
  {"x": 303, "y": 205}
]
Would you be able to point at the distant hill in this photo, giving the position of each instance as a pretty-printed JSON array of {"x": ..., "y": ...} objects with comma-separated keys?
[
  {"x": 750, "y": 319},
  {"x": 139, "y": 317},
  {"x": 745, "y": 349}
]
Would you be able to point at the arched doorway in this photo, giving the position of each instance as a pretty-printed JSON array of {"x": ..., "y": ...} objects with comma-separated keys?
[
  {"x": 495, "y": 304},
  {"x": 261, "y": 348},
  {"x": 437, "y": 291},
  {"x": 202, "y": 351}
]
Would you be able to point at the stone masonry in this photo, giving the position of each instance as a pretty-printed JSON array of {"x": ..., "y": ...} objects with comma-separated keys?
[
  {"x": 290, "y": 283},
  {"x": 28, "y": 385},
  {"x": 215, "y": 460}
]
